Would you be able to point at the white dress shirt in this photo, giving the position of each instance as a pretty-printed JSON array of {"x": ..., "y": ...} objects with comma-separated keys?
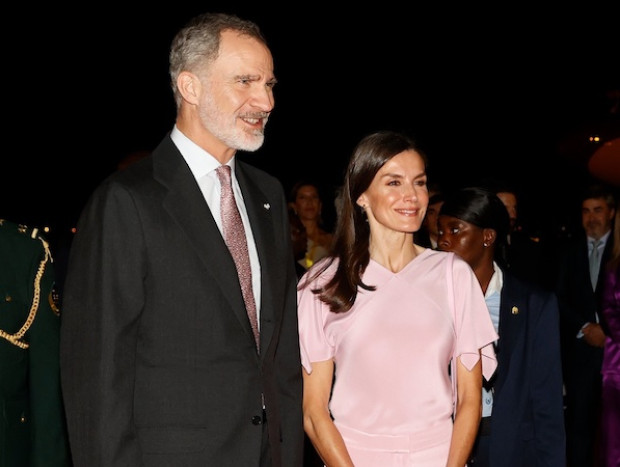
[
  {"x": 203, "y": 166},
  {"x": 492, "y": 297}
]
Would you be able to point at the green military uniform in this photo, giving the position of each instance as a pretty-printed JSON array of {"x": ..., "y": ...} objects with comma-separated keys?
[{"x": 32, "y": 423}]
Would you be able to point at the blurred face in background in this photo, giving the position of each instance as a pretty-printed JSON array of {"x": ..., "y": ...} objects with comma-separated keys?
[
  {"x": 596, "y": 217},
  {"x": 307, "y": 203},
  {"x": 432, "y": 214},
  {"x": 510, "y": 201}
]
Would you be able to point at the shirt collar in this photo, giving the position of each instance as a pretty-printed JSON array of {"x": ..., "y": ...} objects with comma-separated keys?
[
  {"x": 603, "y": 239},
  {"x": 497, "y": 281},
  {"x": 200, "y": 162}
]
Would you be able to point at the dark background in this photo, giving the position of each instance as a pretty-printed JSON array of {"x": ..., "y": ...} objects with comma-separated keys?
[{"x": 508, "y": 94}]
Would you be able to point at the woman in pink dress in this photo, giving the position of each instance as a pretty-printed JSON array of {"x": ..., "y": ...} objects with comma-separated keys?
[
  {"x": 610, "y": 414},
  {"x": 384, "y": 323}
]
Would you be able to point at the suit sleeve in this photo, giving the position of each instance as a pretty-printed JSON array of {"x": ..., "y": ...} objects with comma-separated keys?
[{"x": 102, "y": 302}]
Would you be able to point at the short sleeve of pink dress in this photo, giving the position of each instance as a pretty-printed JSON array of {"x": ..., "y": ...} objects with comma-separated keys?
[
  {"x": 471, "y": 319},
  {"x": 393, "y": 348}
]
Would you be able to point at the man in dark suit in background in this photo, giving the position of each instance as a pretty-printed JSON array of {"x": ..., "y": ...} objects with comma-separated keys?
[
  {"x": 524, "y": 254},
  {"x": 427, "y": 235},
  {"x": 583, "y": 335},
  {"x": 159, "y": 363}
]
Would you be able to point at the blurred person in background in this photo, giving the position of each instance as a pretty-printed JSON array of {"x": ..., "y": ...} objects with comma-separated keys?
[
  {"x": 306, "y": 202},
  {"x": 32, "y": 420},
  {"x": 524, "y": 255},
  {"x": 610, "y": 310},
  {"x": 427, "y": 235},
  {"x": 299, "y": 240},
  {"x": 579, "y": 290},
  {"x": 522, "y": 403}
]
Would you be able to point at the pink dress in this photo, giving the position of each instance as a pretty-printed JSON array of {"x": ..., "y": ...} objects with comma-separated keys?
[{"x": 393, "y": 397}]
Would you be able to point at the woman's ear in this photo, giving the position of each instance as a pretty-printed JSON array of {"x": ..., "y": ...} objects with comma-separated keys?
[
  {"x": 362, "y": 201},
  {"x": 489, "y": 236}
]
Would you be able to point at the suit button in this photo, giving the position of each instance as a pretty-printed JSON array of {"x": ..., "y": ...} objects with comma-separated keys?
[{"x": 257, "y": 420}]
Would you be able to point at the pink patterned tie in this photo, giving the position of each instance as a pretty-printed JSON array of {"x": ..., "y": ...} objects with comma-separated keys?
[{"x": 234, "y": 236}]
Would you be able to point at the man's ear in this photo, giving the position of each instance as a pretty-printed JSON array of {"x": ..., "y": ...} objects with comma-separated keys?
[{"x": 189, "y": 86}]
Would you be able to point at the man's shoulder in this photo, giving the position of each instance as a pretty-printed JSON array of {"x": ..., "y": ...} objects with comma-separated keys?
[
  {"x": 17, "y": 235},
  {"x": 268, "y": 183},
  {"x": 253, "y": 171}
]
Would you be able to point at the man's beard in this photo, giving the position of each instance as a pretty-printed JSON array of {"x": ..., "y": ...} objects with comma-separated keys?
[{"x": 231, "y": 135}]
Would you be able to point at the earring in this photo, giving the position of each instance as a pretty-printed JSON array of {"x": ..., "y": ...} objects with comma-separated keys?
[{"x": 485, "y": 244}]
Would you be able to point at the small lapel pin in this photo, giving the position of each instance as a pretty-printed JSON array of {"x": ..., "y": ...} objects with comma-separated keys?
[
  {"x": 267, "y": 206},
  {"x": 515, "y": 310}
]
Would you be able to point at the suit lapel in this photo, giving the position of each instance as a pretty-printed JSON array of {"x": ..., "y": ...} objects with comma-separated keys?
[
  {"x": 259, "y": 209},
  {"x": 187, "y": 206},
  {"x": 512, "y": 312}
]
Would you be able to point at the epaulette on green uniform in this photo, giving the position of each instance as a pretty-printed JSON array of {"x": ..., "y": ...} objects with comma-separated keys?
[{"x": 21, "y": 249}]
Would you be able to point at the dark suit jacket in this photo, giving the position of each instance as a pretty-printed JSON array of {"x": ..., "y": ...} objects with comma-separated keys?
[
  {"x": 527, "y": 259},
  {"x": 578, "y": 305},
  {"x": 527, "y": 423},
  {"x": 158, "y": 362},
  {"x": 581, "y": 361},
  {"x": 578, "y": 302}
]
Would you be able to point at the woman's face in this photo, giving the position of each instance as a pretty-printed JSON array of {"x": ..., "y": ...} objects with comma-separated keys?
[
  {"x": 397, "y": 198},
  {"x": 308, "y": 203},
  {"x": 460, "y": 237}
]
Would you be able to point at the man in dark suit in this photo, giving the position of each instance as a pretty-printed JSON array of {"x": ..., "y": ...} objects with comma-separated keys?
[
  {"x": 159, "y": 363},
  {"x": 524, "y": 254},
  {"x": 32, "y": 423},
  {"x": 583, "y": 335}
]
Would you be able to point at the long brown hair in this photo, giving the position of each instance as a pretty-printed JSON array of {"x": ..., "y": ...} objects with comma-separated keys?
[{"x": 352, "y": 233}]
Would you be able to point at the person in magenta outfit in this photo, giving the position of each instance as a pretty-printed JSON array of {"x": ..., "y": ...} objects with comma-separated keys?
[
  {"x": 384, "y": 323},
  {"x": 610, "y": 432}
]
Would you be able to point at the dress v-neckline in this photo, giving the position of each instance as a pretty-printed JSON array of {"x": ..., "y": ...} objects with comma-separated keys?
[{"x": 405, "y": 268}]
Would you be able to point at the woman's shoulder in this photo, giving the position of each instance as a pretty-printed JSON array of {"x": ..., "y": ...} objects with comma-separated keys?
[
  {"x": 447, "y": 261},
  {"x": 438, "y": 256},
  {"x": 319, "y": 273}
]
